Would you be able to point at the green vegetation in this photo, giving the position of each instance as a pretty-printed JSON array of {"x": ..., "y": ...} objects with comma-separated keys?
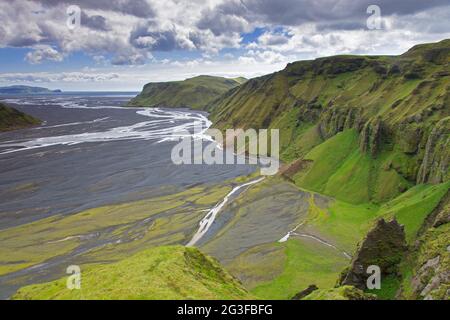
[
  {"x": 168, "y": 272},
  {"x": 399, "y": 122},
  {"x": 413, "y": 207},
  {"x": 307, "y": 262},
  {"x": 195, "y": 93},
  {"x": 373, "y": 133},
  {"x": 338, "y": 168},
  {"x": 388, "y": 288},
  {"x": 11, "y": 119},
  {"x": 340, "y": 293},
  {"x": 347, "y": 223},
  {"x": 280, "y": 270}
]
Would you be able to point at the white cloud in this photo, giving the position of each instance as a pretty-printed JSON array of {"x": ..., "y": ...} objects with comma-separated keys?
[{"x": 42, "y": 53}]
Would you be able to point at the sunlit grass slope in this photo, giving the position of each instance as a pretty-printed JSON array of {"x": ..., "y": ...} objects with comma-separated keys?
[
  {"x": 168, "y": 272},
  {"x": 193, "y": 93}
]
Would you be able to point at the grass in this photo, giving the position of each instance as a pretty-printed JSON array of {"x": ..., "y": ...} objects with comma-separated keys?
[
  {"x": 388, "y": 288},
  {"x": 412, "y": 207},
  {"x": 339, "y": 169},
  {"x": 347, "y": 223},
  {"x": 327, "y": 158},
  {"x": 167, "y": 272},
  {"x": 306, "y": 263}
]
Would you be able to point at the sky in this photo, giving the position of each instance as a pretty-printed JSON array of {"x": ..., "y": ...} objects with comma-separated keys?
[{"x": 120, "y": 45}]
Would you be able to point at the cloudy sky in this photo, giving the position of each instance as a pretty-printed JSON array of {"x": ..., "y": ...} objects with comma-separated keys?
[{"x": 122, "y": 44}]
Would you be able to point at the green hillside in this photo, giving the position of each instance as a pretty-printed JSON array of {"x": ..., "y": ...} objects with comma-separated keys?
[
  {"x": 387, "y": 117},
  {"x": 11, "y": 119},
  {"x": 373, "y": 134},
  {"x": 170, "y": 272},
  {"x": 195, "y": 93}
]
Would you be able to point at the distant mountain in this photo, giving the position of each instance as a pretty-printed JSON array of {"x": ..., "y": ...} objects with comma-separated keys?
[
  {"x": 11, "y": 119},
  {"x": 26, "y": 90},
  {"x": 195, "y": 93}
]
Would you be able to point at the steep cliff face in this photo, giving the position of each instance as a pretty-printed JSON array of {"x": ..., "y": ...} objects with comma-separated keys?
[
  {"x": 435, "y": 162},
  {"x": 398, "y": 105},
  {"x": 427, "y": 266},
  {"x": 384, "y": 247}
]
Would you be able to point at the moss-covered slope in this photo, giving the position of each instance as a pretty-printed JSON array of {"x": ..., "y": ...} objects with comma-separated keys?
[
  {"x": 340, "y": 293},
  {"x": 370, "y": 132},
  {"x": 194, "y": 93},
  {"x": 11, "y": 119},
  {"x": 426, "y": 271},
  {"x": 169, "y": 272}
]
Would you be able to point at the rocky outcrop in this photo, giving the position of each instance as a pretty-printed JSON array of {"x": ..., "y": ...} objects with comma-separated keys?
[
  {"x": 370, "y": 137},
  {"x": 305, "y": 292},
  {"x": 432, "y": 281},
  {"x": 336, "y": 120},
  {"x": 443, "y": 217},
  {"x": 435, "y": 163},
  {"x": 384, "y": 246}
]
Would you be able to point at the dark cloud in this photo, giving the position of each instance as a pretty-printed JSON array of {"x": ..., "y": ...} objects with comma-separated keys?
[
  {"x": 23, "y": 41},
  {"x": 341, "y": 25},
  {"x": 128, "y": 59},
  {"x": 344, "y": 14},
  {"x": 95, "y": 22},
  {"x": 403, "y": 7},
  {"x": 138, "y": 8},
  {"x": 275, "y": 40},
  {"x": 222, "y": 24},
  {"x": 147, "y": 36},
  {"x": 227, "y": 17}
]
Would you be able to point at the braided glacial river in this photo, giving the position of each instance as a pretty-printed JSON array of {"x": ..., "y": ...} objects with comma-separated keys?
[{"x": 90, "y": 151}]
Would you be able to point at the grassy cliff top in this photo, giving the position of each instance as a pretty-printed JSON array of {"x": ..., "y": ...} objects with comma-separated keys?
[
  {"x": 405, "y": 88},
  {"x": 194, "y": 92},
  {"x": 168, "y": 272},
  {"x": 11, "y": 119}
]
